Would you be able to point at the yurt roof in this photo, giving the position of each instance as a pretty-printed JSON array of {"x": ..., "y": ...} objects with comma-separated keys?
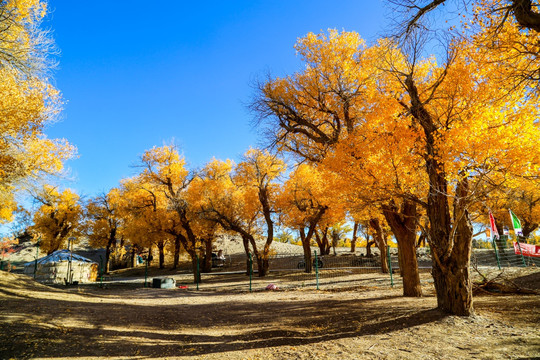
[{"x": 61, "y": 255}]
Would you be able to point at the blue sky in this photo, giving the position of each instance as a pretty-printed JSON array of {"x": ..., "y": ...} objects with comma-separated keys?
[{"x": 136, "y": 74}]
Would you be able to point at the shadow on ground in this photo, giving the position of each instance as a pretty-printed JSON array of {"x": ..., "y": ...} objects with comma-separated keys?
[{"x": 111, "y": 329}]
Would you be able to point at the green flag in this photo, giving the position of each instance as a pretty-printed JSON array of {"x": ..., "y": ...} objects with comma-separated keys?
[{"x": 516, "y": 223}]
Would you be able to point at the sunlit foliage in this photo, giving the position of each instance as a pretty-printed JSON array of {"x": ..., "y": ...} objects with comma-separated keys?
[{"x": 57, "y": 219}]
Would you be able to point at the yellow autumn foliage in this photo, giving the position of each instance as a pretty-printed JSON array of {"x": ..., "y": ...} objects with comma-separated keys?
[
  {"x": 57, "y": 219},
  {"x": 27, "y": 103}
]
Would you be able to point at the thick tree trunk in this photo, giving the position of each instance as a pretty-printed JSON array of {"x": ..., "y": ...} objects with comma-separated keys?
[
  {"x": 207, "y": 265},
  {"x": 369, "y": 243},
  {"x": 421, "y": 240},
  {"x": 528, "y": 228},
  {"x": 326, "y": 242},
  {"x": 380, "y": 241},
  {"x": 195, "y": 267},
  {"x": 161, "y": 248},
  {"x": 245, "y": 241},
  {"x": 322, "y": 241},
  {"x": 189, "y": 242},
  {"x": 306, "y": 238},
  {"x": 264, "y": 262},
  {"x": 319, "y": 241},
  {"x": 176, "y": 256},
  {"x": 307, "y": 250},
  {"x": 526, "y": 14},
  {"x": 267, "y": 212},
  {"x": 133, "y": 255},
  {"x": 265, "y": 265},
  {"x": 403, "y": 225},
  {"x": 150, "y": 257},
  {"x": 354, "y": 237},
  {"x": 451, "y": 268},
  {"x": 107, "y": 257},
  {"x": 261, "y": 271},
  {"x": 335, "y": 241},
  {"x": 110, "y": 244},
  {"x": 450, "y": 249}
]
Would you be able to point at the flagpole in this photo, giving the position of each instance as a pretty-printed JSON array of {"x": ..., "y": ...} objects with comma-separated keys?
[
  {"x": 516, "y": 224},
  {"x": 496, "y": 252},
  {"x": 495, "y": 234},
  {"x": 519, "y": 247}
]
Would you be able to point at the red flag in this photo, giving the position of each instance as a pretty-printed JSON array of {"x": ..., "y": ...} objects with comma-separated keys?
[{"x": 494, "y": 231}]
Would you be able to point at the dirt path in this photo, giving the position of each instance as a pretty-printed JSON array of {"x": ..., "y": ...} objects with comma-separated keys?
[{"x": 136, "y": 323}]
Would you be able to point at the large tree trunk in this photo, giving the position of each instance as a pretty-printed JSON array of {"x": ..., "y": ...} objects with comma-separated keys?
[
  {"x": 354, "y": 237},
  {"x": 528, "y": 228},
  {"x": 403, "y": 225},
  {"x": 161, "y": 248},
  {"x": 306, "y": 238},
  {"x": 195, "y": 267},
  {"x": 110, "y": 243},
  {"x": 307, "y": 250},
  {"x": 207, "y": 265},
  {"x": 450, "y": 249},
  {"x": 245, "y": 241},
  {"x": 107, "y": 257},
  {"x": 322, "y": 241},
  {"x": 380, "y": 241},
  {"x": 369, "y": 244},
  {"x": 190, "y": 242},
  {"x": 451, "y": 268},
  {"x": 176, "y": 256},
  {"x": 261, "y": 271},
  {"x": 133, "y": 257},
  {"x": 421, "y": 240},
  {"x": 150, "y": 257},
  {"x": 267, "y": 212},
  {"x": 527, "y": 15},
  {"x": 189, "y": 245},
  {"x": 335, "y": 241}
]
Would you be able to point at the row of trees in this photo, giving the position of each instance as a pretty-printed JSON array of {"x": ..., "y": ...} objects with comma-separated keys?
[
  {"x": 168, "y": 206},
  {"x": 385, "y": 135},
  {"x": 410, "y": 135}
]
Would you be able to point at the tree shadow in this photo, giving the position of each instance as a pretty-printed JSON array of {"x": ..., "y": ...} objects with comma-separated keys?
[
  {"x": 530, "y": 281},
  {"x": 55, "y": 328}
]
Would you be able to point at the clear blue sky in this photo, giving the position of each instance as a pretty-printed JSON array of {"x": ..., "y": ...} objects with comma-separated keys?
[{"x": 135, "y": 74}]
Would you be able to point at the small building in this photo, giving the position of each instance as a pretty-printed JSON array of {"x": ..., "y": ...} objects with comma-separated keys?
[{"x": 55, "y": 268}]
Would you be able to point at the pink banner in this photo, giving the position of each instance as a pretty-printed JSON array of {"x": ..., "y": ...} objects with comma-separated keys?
[
  {"x": 494, "y": 231},
  {"x": 527, "y": 249}
]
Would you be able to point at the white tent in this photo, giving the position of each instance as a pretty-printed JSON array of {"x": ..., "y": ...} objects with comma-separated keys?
[{"x": 55, "y": 268}]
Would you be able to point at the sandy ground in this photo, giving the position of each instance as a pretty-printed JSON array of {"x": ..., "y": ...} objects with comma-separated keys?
[{"x": 363, "y": 322}]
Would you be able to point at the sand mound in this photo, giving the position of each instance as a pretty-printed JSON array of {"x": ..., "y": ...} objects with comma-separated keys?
[
  {"x": 232, "y": 245},
  {"x": 14, "y": 282}
]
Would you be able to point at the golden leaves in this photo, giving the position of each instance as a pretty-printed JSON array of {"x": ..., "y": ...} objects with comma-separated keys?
[
  {"x": 164, "y": 164},
  {"x": 350, "y": 112},
  {"x": 27, "y": 102},
  {"x": 58, "y": 218}
]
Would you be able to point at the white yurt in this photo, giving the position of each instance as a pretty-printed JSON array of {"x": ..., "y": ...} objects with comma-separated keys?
[{"x": 54, "y": 268}]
